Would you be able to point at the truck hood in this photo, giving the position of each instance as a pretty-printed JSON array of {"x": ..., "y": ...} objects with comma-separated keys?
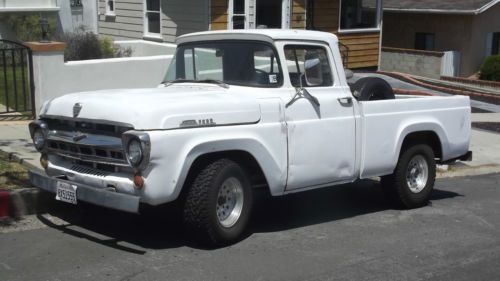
[{"x": 170, "y": 107}]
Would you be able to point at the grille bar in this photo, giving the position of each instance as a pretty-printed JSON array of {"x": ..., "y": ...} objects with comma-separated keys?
[
  {"x": 88, "y": 126},
  {"x": 89, "y": 171}
]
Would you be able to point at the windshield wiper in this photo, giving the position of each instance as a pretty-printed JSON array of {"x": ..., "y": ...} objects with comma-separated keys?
[{"x": 210, "y": 81}]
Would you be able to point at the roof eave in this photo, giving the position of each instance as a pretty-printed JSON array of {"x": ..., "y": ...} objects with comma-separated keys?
[
  {"x": 28, "y": 9},
  {"x": 432, "y": 11},
  {"x": 448, "y": 12}
]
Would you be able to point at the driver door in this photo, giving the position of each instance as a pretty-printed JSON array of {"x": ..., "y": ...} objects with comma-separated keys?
[{"x": 321, "y": 138}]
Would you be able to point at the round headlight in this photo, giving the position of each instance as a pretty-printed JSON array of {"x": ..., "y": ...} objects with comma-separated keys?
[
  {"x": 134, "y": 152},
  {"x": 38, "y": 139}
]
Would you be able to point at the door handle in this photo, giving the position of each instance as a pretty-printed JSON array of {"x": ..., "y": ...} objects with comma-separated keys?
[{"x": 345, "y": 100}]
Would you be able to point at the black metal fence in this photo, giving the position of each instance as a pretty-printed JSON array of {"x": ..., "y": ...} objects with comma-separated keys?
[{"x": 17, "y": 90}]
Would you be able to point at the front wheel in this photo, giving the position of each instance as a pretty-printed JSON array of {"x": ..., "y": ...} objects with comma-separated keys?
[
  {"x": 412, "y": 182},
  {"x": 218, "y": 203}
]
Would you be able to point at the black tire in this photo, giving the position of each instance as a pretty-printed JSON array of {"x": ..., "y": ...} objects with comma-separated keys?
[
  {"x": 372, "y": 88},
  {"x": 200, "y": 215},
  {"x": 397, "y": 186}
]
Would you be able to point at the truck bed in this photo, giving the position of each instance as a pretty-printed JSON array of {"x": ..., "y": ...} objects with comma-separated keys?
[{"x": 385, "y": 124}]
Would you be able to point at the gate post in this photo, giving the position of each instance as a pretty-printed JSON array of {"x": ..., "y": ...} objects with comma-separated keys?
[{"x": 48, "y": 58}]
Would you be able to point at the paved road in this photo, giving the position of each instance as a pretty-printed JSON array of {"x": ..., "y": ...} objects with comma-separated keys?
[{"x": 344, "y": 233}]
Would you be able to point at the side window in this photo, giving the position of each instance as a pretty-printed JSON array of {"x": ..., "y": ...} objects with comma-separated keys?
[{"x": 308, "y": 64}]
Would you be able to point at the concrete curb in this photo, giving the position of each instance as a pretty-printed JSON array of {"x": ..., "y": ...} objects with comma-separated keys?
[
  {"x": 462, "y": 170},
  {"x": 24, "y": 201},
  {"x": 14, "y": 156},
  {"x": 28, "y": 201}
]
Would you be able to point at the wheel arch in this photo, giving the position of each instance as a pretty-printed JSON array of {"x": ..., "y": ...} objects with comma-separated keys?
[
  {"x": 429, "y": 137},
  {"x": 263, "y": 168},
  {"x": 244, "y": 158}
]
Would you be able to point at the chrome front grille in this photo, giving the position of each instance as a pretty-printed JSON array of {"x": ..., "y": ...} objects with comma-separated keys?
[
  {"x": 95, "y": 145},
  {"x": 88, "y": 153}
]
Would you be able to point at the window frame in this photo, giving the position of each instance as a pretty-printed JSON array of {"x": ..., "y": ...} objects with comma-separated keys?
[
  {"x": 148, "y": 34},
  {"x": 109, "y": 11},
  {"x": 495, "y": 43},
  {"x": 379, "y": 14},
  {"x": 331, "y": 64},
  {"x": 277, "y": 53},
  {"x": 231, "y": 14}
]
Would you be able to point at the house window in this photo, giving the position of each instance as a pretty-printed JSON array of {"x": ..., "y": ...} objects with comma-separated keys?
[
  {"x": 152, "y": 20},
  {"x": 360, "y": 14},
  {"x": 495, "y": 46},
  {"x": 110, "y": 7},
  {"x": 239, "y": 17},
  {"x": 424, "y": 41}
]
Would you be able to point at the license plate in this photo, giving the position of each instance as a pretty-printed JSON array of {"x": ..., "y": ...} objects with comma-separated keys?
[{"x": 66, "y": 192}]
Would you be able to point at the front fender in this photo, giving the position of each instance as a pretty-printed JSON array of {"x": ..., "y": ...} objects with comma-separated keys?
[
  {"x": 272, "y": 165},
  {"x": 173, "y": 152}
]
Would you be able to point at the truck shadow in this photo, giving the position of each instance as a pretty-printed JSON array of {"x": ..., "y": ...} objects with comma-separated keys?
[{"x": 161, "y": 227}]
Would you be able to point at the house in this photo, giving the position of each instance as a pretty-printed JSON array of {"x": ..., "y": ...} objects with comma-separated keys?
[
  {"x": 69, "y": 15},
  {"x": 356, "y": 22},
  {"x": 8, "y": 7},
  {"x": 471, "y": 27}
]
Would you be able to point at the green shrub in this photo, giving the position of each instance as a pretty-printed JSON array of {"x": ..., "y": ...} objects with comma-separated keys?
[
  {"x": 107, "y": 48},
  {"x": 26, "y": 27},
  {"x": 490, "y": 70},
  {"x": 110, "y": 50},
  {"x": 84, "y": 45}
]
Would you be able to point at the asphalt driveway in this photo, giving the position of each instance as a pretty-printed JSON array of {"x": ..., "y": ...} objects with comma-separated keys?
[{"x": 342, "y": 233}]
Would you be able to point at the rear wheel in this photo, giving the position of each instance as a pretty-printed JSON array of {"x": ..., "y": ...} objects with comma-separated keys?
[
  {"x": 218, "y": 203},
  {"x": 412, "y": 182}
]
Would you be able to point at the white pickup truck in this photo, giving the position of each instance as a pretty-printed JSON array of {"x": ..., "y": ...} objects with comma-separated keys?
[{"x": 240, "y": 110}]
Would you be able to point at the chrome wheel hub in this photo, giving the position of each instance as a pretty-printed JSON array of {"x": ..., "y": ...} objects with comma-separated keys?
[
  {"x": 229, "y": 202},
  {"x": 417, "y": 174}
]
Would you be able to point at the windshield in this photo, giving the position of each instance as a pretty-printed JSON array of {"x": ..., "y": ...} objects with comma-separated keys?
[{"x": 253, "y": 64}]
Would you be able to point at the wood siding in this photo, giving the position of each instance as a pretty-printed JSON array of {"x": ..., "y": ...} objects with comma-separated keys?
[
  {"x": 128, "y": 22},
  {"x": 178, "y": 17},
  {"x": 298, "y": 14},
  {"x": 326, "y": 15},
  {"x": 364, "y": 49},
  {"x": 218, "y": 14}
]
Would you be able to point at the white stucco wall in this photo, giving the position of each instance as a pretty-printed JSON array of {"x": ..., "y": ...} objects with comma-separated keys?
[
  {"x": 53, "y": 77},
  {"x": 73, "y": 17},
  {"x": 147, "y": 48}
]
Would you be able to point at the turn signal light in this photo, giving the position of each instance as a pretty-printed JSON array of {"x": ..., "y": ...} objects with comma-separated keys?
[
  {"x": 44, "y": 161},
  {"x": 138, "y": 181}
]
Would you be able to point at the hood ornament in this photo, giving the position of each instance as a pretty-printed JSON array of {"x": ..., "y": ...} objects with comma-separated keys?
[
  {"x": 78, "y": 137},
  {"x": 76, "y": 109}
]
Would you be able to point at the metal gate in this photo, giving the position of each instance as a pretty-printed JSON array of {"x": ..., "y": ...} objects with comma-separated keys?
[{"x": 17, "y": 90}]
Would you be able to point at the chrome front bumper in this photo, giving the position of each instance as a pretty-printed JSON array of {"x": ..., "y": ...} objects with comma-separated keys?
[{"x": 87, "y": 193}]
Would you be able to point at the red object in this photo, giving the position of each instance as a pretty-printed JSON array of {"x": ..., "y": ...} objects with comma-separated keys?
[
  {"x": 138, "y": 181},
  {"x": 4, "y": 203}
]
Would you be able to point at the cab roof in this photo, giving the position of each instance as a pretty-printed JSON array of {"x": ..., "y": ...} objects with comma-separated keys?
[{"x": 268, "y": 35}]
